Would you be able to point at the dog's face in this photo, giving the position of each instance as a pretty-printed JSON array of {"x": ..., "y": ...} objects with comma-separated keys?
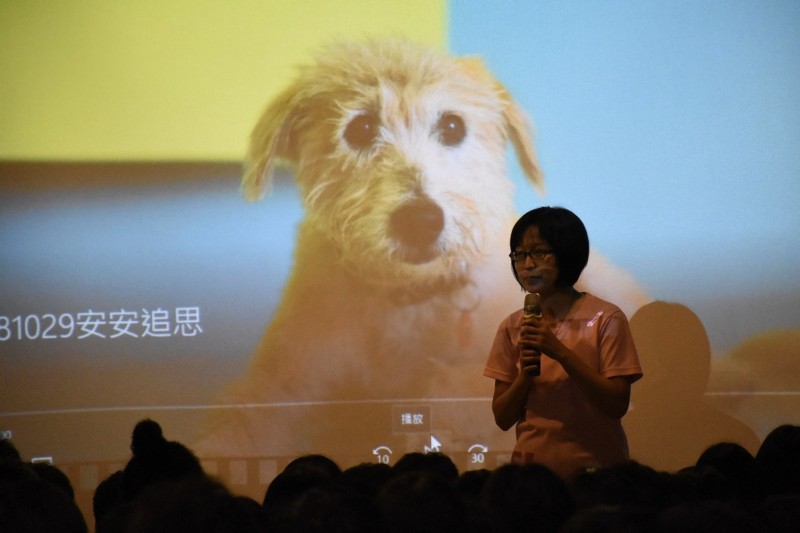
[{"x": 399, "y": 153}]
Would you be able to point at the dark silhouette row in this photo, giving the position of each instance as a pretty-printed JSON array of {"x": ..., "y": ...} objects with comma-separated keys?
[{"x": 163, "y": 488}]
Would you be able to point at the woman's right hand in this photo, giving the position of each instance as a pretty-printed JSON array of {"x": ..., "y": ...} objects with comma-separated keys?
[
  {"x": 530, "y": 359},
  {"x": 530, "y": 362}
]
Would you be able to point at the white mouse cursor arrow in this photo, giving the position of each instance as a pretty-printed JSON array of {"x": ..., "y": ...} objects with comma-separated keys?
[{"x": 434, "y": 447}]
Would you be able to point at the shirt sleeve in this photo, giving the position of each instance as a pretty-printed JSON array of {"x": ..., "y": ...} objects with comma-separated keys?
[
  {"x": 503, "y": 359},
  {"x": 617, "y": 350}
]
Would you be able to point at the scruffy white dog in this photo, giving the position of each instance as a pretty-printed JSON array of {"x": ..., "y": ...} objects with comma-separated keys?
[{"x": 401, "y": 271}]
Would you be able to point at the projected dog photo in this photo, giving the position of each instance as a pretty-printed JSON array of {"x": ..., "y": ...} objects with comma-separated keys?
[{"x": 400, "y": 273}]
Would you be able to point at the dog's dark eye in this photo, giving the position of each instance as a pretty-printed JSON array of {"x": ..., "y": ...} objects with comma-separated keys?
[
  {"x": 361, "y": 132},
  {"x": 451, "y": 129}
]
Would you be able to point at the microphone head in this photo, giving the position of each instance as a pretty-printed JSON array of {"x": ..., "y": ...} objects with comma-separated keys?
[{"x": 532, "y": 306}]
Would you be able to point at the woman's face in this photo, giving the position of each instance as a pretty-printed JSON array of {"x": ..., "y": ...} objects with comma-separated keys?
[{"x": 538, "y": 270}]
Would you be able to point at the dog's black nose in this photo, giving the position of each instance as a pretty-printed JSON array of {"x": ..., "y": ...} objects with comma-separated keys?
[{"x": 416, "y": 226}]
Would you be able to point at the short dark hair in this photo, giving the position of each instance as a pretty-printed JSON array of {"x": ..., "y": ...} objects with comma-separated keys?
[{"x": 564, "y": 232}]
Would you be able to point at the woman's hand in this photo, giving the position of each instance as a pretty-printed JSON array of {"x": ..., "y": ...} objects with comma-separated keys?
[
  {"x": 537, "y": 338},
  {"x": 530, "y": 361}
]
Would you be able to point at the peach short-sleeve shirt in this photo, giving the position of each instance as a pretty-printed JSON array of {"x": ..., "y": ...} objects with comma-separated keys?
[{"x": 561, "y": 428}]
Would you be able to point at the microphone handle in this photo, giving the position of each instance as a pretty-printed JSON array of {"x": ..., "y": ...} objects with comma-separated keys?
[{"x": 532, "y": 308}]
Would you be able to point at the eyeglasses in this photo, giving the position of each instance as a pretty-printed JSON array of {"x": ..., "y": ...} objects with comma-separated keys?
[{"x": 536, "y": 255}]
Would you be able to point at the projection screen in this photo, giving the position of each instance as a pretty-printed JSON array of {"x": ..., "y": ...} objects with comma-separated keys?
[{"x": 138, "y": 282}]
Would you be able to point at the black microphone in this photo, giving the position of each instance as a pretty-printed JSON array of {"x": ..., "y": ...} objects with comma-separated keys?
[{"x": 533, "y": 308}]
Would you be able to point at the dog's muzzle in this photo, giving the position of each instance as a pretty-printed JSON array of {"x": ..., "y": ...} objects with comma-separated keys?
[{"x": 415, "y": 228}]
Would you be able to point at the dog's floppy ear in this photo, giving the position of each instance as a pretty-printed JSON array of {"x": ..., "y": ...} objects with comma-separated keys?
[
  {"x": 270, "y": 141},
  {"x": 520, "y": 133},
  {"x": 518, "y": 127}
]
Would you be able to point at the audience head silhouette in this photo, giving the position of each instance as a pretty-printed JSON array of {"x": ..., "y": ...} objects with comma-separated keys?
[
  {"x": 147, "y": 438},
  {"x": 155, "y": 459},
  {"x": 778, "y": 460},
  {"x": 35, "y": 499}
]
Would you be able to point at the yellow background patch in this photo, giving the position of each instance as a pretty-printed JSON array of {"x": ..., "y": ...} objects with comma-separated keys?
[{"x": 174, "y": 80}]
